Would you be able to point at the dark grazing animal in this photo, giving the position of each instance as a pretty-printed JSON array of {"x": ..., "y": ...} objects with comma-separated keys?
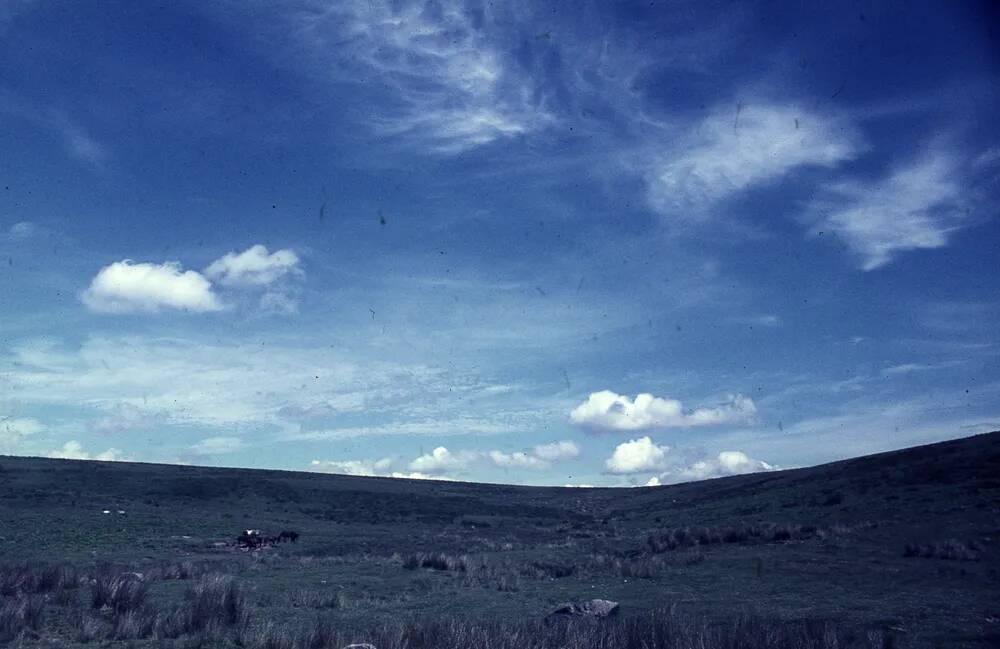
[
  {"x": 289, "y": 535},
  {"x": 251, "y": 539}
]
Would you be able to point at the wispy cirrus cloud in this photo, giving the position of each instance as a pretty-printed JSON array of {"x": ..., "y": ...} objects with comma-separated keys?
[
  {"x": 78, "y": 142},
  {"x": 14, "y": 429},
  {"x": 451, "y": 87},
  {"x": 177, "y": 382},
  {"x": 220, "y": 445},
  {"x": 916, "y": 206},
  {"x": 739, "y": 147}
]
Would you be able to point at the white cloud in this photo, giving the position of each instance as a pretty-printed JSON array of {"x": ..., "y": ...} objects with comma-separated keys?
[
  {"x": 353, "y": 467},
  {"x": 253, "y": 267},
  {"x": 737, "y": 148},
  {"x": 637, "y": 455},
  {"x": 652, "y": 482},
  {"x": 726, "y": 463},
  {"x": 563, "y": 450},
  {"x": 278, "y": 302},
  {"x": 519, "y": 460},
  {"x": 22, "y": 230},
  {"x": 909, "y": 368},
  {"x": 14, "y": 429},
  {"x": 416, "y": 475},
  {"x": 77, "y": 141},
  {"x": 296, "y": 392},
  {"x": 450, "y": 87},
  {"x": 129, "y": 287},
  {"x": 217, "y": 446},
  {"x": 441, "y": 459},
  {"x": 541, "y": 458},
  {"x": 606, "y": 410},
  {"x": 73, "y": 450},
  {"x": 126, "y": 417},
  {"x": 915, "y": 207}
]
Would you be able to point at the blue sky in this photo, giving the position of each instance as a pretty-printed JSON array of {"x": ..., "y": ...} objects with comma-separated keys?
[{"x": 605, "y": 243}]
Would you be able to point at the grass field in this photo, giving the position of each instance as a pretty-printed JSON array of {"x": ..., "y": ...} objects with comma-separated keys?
[{"x": 898, "y": 549}]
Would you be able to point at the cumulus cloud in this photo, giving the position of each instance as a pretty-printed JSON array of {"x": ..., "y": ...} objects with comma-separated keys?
[
  {"x": 217, "y": 446},
  {"x": 73, "y": 450},
  {"x": 608, "y": 411},
  {"x": 915, "y": 207},
  {"x": 353, "y": 467},
  {"x": 372, "y": 468},
  {"x": 441, "y": 459},
  {"x": 637, "y": 455},
  {"x": 519, "y": 460},
  {"x": 652, "y": 482},
  {"x": 541, "y": 457},
  {"x": 732, "y": 150},
  {"x": 416, "y": 475},
  {"x": 255, "y": 266},
  {"x": 726, "y": 463},
  {"x": 129, "y": 287},
  {"x": 563, "y": 450}
]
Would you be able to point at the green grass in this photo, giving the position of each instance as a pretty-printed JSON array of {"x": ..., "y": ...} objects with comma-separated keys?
[{"x": 524, "y": 550}]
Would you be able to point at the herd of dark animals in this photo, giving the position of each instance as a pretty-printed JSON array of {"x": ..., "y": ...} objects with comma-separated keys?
[{"x": 255, "y": 539}]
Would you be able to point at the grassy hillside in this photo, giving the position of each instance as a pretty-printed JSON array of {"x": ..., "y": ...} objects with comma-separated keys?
[{"x": 901, "y": 545}]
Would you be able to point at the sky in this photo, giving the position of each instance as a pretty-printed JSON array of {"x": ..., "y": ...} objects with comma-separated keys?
[{"x": 611, "y": 244}]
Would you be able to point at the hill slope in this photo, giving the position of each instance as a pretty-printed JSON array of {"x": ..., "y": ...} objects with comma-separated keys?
[{"x": 823, "y": 542}]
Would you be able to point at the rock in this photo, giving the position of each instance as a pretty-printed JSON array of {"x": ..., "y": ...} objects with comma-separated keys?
[{"x": 595, "y": 609}]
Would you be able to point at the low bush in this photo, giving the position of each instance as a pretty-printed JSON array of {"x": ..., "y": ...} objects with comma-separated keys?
[
  {"x": 120, "y": 593},
  {"x": 747, "y": 533},
  {"x": 436, "y": 561},
  {"x": 951, "y": 549},
  {"x": 19, "y": 613}
]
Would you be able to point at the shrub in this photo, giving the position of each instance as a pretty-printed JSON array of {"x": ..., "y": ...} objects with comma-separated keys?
[
  {"x": 119, "y": 593},
  {"x": 211, "y": 604},
  {"x": 546, "y": 570},
  {"x": 436, "y": 561},
  {"x": 669, "y": 540},
  {"x": 216, "y": 599},
  {"x": 951, "y": 549},
  {"x": 20, "y": 613},
  {"x": 36, "y": 578}
]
